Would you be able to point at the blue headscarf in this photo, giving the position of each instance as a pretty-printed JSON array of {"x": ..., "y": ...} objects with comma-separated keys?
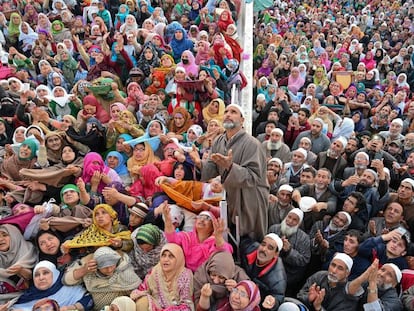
[
  {"x": 121, "y": 169},
  {"x": 153, "y": 141}
]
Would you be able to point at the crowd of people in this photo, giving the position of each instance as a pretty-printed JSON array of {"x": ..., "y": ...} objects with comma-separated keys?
[{"x": 121, "y": 145}]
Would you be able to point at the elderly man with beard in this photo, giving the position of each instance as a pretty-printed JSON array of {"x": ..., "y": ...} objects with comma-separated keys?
[
  {"x": 281, "y": 204},
  {"x": 293, "y": 169},
  {"x": 408, "y": 147},
  {"x": 332, "y": 158},
  {"x": 361, "y": 162},
  {"x": 376, "y": 196},
  {"x": 296, "y": 249},
  {"x": 327, "y": 238},
  {"x": 328, "y": 290},
  {"x": 379, "y": 285},
  {"x": 275, "y": 147},
  {"x": 326, "y": 200},
  {"x": 375, "y": 150},
  {"x": 237, "y": 157},
  {"x": 264, "y": 266},
  {"x": 405, "y": 197}
]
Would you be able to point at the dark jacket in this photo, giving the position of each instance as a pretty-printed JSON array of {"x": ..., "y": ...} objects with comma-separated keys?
[{"x": 271, "y": 280}]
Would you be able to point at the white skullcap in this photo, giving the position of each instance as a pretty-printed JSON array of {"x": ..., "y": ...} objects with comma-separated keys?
[
  {"x": 348, "y": 217},
  {"x": 397, "y": 271},
  {"x": 261, "y": 96},
  {"x": 363, "y": 154},
  {"x": 302, "y": 151},
  {"x": 410, "y": 181},
  {"x": 285, "y": 187},
  {"x": 398, "y": 121},
  {"x": 180, "y": 68},
  {"x": 347, "y": 260},
  {"x": 319, "y": 120},
  {"x": 374, "y": 173},
  {"x": 307, "y": 139},
  {"x": 288, "y": 306},
  {"x": 343, "y": 141},
  {"x": 277, "y": 130},
  {"x": 276, "y": 238},
  {"x": 298, "y": 212},
  {"x": 277, "y": 160},
  {"x": 237, "y": 107}
]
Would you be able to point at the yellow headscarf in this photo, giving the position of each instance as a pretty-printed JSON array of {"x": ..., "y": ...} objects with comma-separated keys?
[
  {"x": 207, "y": 115},
  {"x": 96, "y": 236}
]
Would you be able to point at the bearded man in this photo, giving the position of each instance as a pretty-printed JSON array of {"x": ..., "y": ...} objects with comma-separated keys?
[{"x": 296, "y": 252}]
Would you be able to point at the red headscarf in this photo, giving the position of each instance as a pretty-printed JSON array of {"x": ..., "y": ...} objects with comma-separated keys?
[{"x": 101, "y": 113}]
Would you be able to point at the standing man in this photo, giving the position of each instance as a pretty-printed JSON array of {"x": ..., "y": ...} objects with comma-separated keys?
[{"x": 240, "y": 161}]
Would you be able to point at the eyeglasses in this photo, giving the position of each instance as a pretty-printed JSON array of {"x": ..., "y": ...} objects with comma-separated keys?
[
  {"x": 203, "y": 217},
  {"x": 45, "y": 308},
  {"x": 239, "y": 292},
  {"x": 139, "y": 149}
]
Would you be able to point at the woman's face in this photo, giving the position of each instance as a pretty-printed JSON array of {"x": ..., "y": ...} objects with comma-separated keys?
[
  {"x": 19, "y": 136},
  {"x": 148, "y": 54},
  {"x": 4, "y": 241},
  {"x": 179, "y": 120},
  {"x": 356, "y": 118},
  {"x": 25, "y": 29},
  {"x": 155, "y": 129},
  {"x": 202, "y": 75},
  {"x": 239, "y": 298},
  {"x": 146, "y": 247},
  {"x": 168, "y": 261},
  {"x": 43, "y": 279},
  {"x": 120, "y": 145},
  {"x": 212, "y": 127},
  {"x": 108, "y": 271},
  {"x": 103, "y": 219},
  {"x": 68, "y": 155},
  {"x": 113, "y": 161},
  {"x": 115, "y": 112},
  {"x": 179, "y": 172},
  {"x": 213, "y": 108},
  {"x": 48, "y": 244},
  {"x": 89, "y": 109},
  {"x": 217, "y": 278},
  {"x": 25, "y": 152},
  {"x": 56, "y": 81},
  {"x": 139, "y": 152},
  {"x": 54, "y": 143},
  {"x": 130, "y": 20}
]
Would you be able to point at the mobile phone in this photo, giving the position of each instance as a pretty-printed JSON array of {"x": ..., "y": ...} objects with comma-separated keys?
[{"x": 402, "y": 230}]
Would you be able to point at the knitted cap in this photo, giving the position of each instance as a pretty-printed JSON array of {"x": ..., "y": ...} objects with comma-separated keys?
[
  {"x": 149, "y": 234},
  {"x": 139, "y": 209},
  {"x": 106, "y": 257}
]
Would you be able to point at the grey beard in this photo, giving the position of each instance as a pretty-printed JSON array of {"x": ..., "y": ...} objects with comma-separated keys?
[
  {"x": 333, "y": 227},
  {"x": 361, "y": 167},
  {"x": 384, "y": 286},
  {"x": 332, "y": 154},
  {"x": 286, "y": 230},
  {"x": 273, "y": 146},
  {"x": 332, "y": 278},
  {"x": 229, "y": 125}
]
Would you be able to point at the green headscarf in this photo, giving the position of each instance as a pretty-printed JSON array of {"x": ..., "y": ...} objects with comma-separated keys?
[
  {"x": 103, "y": 88},
  {"x": 13, "y": 29},
  {"x": 31, "y": 143},
  {"x": 55, "y": 32},
  {"x": 68, "y": 187}
]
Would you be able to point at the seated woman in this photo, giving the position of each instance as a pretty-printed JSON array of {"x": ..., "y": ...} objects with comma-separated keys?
[
  {"x": 117, "y": 162},
  {"x": 17, "y": 258},
  {"x": 48, "y": 243},
  {"x": 199, "y": 244},
  {"x": 47, "y": 283},
  {"x": 71, "y": 216},
  {"x": 148, "y": 241},
  {"x": 221, "y": 273},
  {"x": 142, "y": 154},
  {"x": 169, "y": 286},
  {"x": 244, "y": 297},
  {"x": 104, "y": 231},
  {"x": 107, "y": 274}
]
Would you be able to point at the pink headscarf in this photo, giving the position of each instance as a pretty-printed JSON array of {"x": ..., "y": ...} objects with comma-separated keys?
[
  {"x": 191, "y": 69},
  {"x": 101, "y": 113},
  {"x": 121, "y": 108},
  {"x": 294, "y": 85},
  {"x": 89, "y": 168}
]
